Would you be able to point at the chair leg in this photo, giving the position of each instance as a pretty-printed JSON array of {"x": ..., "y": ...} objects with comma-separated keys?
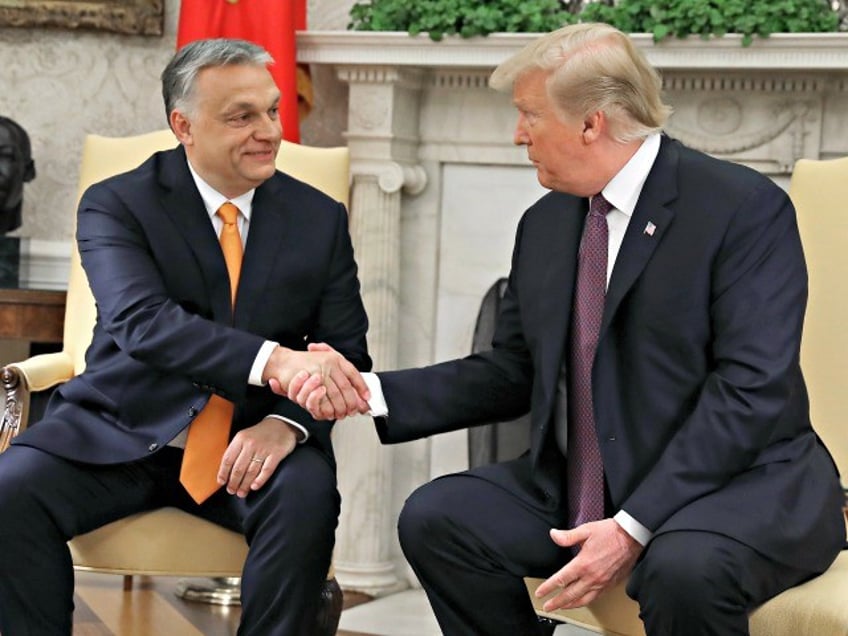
[
  {"x": 127, "y": 582},
  {"x": 547, "y": 626},
  {"x": 223, "y": 590},
  {"x": 330, "y": 609}
]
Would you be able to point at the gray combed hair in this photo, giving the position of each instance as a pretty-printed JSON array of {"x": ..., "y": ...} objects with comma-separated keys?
[
  {"x": 180, "y": 75},
  {"x": 593, "y": 67}
]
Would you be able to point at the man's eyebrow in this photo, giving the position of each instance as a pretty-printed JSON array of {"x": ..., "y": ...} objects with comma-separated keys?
[{"x": 240, "y": 106}]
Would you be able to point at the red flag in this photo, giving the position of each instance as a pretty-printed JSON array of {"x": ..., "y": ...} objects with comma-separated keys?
[{"x": 268, "y": 23}]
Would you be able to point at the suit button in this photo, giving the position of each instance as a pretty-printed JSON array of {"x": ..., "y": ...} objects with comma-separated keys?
[
  {"x": 192, "y": 412},
  {"x": 153, "y": 447},
  {"x": 612, "y": 439}
]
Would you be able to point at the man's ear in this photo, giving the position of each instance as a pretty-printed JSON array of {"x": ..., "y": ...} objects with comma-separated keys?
[
  {"x": 593, "y": 126},
  {"x": 181, "y": 126}
]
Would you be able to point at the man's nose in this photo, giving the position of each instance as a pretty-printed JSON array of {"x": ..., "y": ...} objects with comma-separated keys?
[
  {"x": 519, "y": 135},
  {"x": 269, "y": 128}
]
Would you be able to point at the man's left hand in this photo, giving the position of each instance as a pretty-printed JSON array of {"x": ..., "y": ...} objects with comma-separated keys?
[
  {"x": 254, "y": 454},
  {"x": 607, "y": 555}
]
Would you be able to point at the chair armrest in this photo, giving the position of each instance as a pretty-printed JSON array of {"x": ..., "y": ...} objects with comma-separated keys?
[
  {"x": 44, "y": 371},
  {"x": 19, "y": 379}
]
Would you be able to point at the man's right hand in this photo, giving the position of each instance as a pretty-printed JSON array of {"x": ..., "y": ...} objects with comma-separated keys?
[
  {"x": 607, "y": 554},
  {"x": 341, "y": 392}
]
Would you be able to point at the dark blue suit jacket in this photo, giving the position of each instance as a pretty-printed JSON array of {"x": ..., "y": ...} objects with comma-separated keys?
[
  {"x": 166, "y": 336},
  {"x": 701, "y": 408}
]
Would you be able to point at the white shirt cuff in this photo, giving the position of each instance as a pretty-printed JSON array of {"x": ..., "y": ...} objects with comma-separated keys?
[
  {"x": 633, "y": 527},
  {"x": 265, "y": 351},
  {"x": 299, "y": 427},
  {"x": 377, "y": 403}
]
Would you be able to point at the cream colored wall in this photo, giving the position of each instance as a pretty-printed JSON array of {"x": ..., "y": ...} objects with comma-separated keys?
[{"x": 63, "y": 84}]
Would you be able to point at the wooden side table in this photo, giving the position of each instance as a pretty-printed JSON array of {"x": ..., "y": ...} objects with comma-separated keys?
[{"x": 35, "y": 315}]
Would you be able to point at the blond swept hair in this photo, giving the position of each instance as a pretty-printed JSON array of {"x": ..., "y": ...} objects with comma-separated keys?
[{"x": 593, "y": 67}]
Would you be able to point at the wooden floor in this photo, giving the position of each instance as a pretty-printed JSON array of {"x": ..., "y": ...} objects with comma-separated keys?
[{"x": 151, "y": 608}]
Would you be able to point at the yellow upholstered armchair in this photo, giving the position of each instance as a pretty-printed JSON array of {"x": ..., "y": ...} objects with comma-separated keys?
[
  {"x": 165, "y": 541},
  {"x": 819, "y": 190}
]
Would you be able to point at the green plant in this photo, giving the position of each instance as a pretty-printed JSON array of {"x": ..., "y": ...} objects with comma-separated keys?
[
  {"x": 463, "y": 17},
  {"x": 662, "y": 18},
  {"x": 680, "y": 18}
]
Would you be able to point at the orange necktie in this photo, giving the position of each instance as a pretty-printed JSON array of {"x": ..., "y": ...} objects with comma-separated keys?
[{"x": 209, "y": 434}]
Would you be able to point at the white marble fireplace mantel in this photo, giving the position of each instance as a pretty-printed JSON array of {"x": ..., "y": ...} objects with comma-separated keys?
[
  {"x": 781, "y": 51},
  {"x": 438, "y": 188}
]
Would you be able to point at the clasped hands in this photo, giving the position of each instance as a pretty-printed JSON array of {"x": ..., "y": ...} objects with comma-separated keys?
[{"x": 319, "y": 379}]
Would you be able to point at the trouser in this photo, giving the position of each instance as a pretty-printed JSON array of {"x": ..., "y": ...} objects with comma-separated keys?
[
  {"x": 45, "y": 500},
  {"x": 471, "y": 541}
]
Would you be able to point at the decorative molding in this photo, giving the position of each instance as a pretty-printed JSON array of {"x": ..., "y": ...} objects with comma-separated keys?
[
  {"x": 459, "y": 79},
  {"x": 747, "y": 83},
  {"x": 392, "y": 175},
  {"x": 781, "y": 51},
  {"x": 134, "y": 17},
  {"x": 401, "y": 49},
  {"x": 720, "y": 115},
  {"x": 373, "y": 112},
  {"x": 45, "y": 264},
  {"x": 406, "y": 77},
  {"x": 730, "y": 141},
  {"x": 379, "y": 579}
]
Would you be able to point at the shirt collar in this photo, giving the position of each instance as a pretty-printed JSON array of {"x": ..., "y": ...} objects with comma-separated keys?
[
  {"x": 624, "y": 188},
  {"x": 212, "y": 199}
]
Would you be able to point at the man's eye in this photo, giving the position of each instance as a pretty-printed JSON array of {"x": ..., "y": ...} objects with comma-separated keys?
[{"x": 274, "y": 112}]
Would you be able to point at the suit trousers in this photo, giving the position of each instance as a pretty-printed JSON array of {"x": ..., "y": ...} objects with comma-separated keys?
[
  {"x": 45, "y": 500},
  {"x": 471, "y": 541}
]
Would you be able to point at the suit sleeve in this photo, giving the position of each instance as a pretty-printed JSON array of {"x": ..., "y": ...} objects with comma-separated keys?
[
  {"x": 135, "y": 310},
  {"x": 758, "y": 298},
  {"x": 340, "y": 321}
]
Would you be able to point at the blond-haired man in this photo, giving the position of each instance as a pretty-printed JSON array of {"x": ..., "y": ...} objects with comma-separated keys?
[{"x": 651, "y": 324}]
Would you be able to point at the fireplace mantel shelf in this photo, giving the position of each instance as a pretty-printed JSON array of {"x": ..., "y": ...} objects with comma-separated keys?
[{"x": 783, "y": 51}]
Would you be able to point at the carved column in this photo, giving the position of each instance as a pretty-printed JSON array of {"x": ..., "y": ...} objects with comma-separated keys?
[{"x": 383, "y": 141}]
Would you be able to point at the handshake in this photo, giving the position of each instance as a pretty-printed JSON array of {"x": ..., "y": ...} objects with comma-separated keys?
[{"x": 320, "y": 380}]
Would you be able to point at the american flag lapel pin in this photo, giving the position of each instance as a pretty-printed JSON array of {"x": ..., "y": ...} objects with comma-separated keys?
[{"x": 650, "y": 228}]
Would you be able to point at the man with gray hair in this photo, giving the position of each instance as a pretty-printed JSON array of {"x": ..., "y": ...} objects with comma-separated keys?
[
  {"x": 651, "y": 325},
  {"x": 211, "y": 272}
]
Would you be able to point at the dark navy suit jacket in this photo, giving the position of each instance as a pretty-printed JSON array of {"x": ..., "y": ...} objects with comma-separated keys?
[
  {"x": 700, "y": 406},
  {"x": 166, "y": 336}
]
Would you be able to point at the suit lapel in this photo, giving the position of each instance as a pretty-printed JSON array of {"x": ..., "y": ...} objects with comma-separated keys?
[
  {"x": 646, "y": 229},
  {"x": 185, "y": 208},
  {"x": 271, "y": 215},
  {"x": 564, "y": 233}
]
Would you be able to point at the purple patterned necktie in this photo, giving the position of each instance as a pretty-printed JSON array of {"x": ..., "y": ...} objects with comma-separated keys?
[{"x": 584, "y": 467}]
